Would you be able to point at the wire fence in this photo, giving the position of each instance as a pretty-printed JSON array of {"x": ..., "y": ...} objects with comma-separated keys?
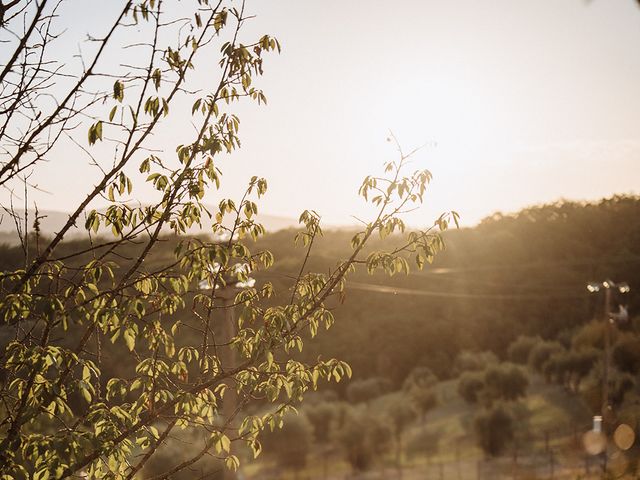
[{"x": 550, "y": 454}]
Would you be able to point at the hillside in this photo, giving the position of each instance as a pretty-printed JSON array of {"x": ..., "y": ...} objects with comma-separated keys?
[
  {"x": 513, "y": 274},
  {"x": 519, "y": 274}
]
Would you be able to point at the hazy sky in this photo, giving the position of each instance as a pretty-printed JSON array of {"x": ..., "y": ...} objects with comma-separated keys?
[
  {"x": 516, "y": 101},
  {"x": 526, "y": 100}
]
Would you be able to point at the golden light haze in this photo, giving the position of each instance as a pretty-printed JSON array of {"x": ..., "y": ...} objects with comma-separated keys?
[{"x": 515, "y": 101}]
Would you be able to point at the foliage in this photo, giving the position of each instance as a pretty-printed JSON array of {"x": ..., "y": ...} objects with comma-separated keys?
[
  {"x": 590, "y": 335},
  {"x": 418, "y": 386},
  {"x": 420, "y": 377},
  {"x": 623, "y": 383},
  {"x": 494, "y": 429},
  {"x": 363, "y": 437},
  {"x": 322, "y": 416},
  {"x": 320, "y": 396},
  {"x": 571, "y": 367},
  {"x": 423, "y": 399},
  {"x": 401, "y": 414},
  {"x": 173, "y": 451},
  {"x": 622, "y": 388},
  {"x": 111, "y": 348},
  {"x": 505, "y": 382},
  {"x": 467, "y": 361},
  {"x": 519, "y": 349},
  {"x": 626, "y": 354},
  {"x": 290, "y": 444},
  {"x": 363, "y": 391},
  {"x": 541, "y": 352},
  {"x": 470, "y": 385}
]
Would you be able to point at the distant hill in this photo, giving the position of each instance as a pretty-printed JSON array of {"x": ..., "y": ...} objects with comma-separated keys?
[
  {"x": 518, "y": 274},
  {"x": 51, "y": 221}
]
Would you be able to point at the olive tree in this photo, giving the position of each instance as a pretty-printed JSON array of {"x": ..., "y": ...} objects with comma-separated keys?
[
  {"x": 495, "y": 428},
  {"x": 291, "y": 444},
  {"x": 419, "y": 386},
  {"x": 365, "y": 390},
  {"x": 506, "y": 381},
  {"x": 177, "y": 357},
  {"x": 518, "y": 351},
  {"x": 401, "y": 414},
  {"x": 364, "y": 437},
  {"x": 323, "y": 417},
  {"x": 470, "y": 386}
]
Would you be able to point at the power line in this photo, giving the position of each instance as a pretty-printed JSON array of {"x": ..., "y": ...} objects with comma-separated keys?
[
  {"x": 529, "y": 265},
  {"x": 537, "y": 295},
  {"x": 433, "y": 293}
]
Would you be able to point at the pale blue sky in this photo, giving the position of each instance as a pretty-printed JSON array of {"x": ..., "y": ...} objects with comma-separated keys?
[{"x": 517, "y": 101}]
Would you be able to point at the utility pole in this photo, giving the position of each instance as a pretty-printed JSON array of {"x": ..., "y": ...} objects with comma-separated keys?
[
  {"x": 605, "y": 410},
  {"x": 609, "y": 321},
  {"x": 227, "y": 357},
  {"x": 608, "y": 286},
  {"x": 231, "y": 284}
]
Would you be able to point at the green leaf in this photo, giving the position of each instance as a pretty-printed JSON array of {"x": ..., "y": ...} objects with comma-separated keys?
[
  {"x": 95, "y": 133},
  {"x": 232, "y": 462},
  {"x": 84, "y": 390},
  {"x": 118, "y": 90},
  {"x": 129, "y": 338}
]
